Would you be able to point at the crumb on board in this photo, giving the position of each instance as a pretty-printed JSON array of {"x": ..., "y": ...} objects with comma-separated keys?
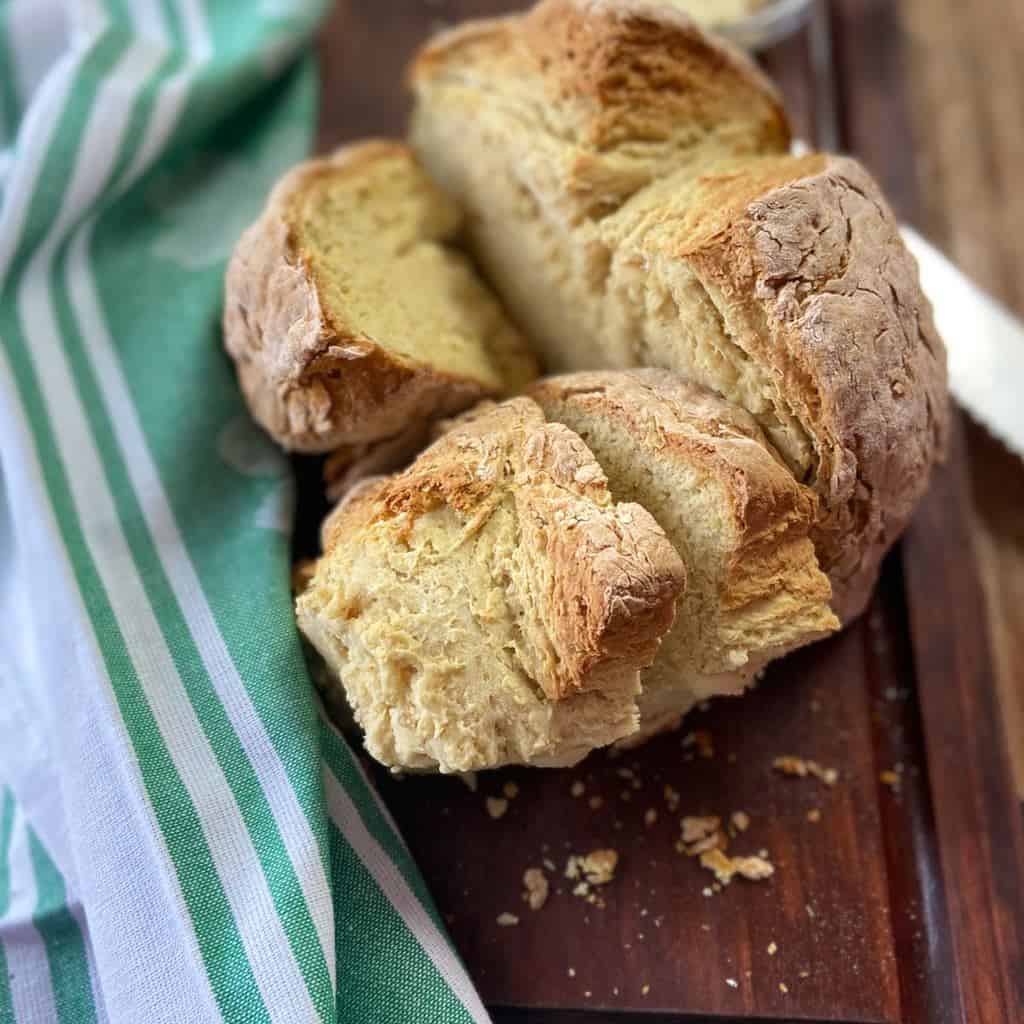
[
  {"x": 810, "y": 910},
  {"x": 577, "y": 788},
  {"x": 511, "y": 790},
  {"x": 536, "y": 885},
  {"x": 772, "y": 948},
  {"x": 732, "y": 983},
  {"x": 724, "y": 867},
  {"x": 805, "y": 974},
  {"x": 740, "y": 820},
  {"x": 644, "y": 989},
  {"x": 549, "y": 864},
  {"x": 572, "y": 972},
  {"x": 700, "y": 834},
  {"x": 496, "y": 806},
  {"x": 469, "y": 778},
  {"x": 696, "y": 827},
  {"x": 890, "y": 778},
  {"x": 813, "y": 815},
  {"x": 507, "y": 920},
  {"x": 650, "y": 816},
  {"x": 790, "y": 765},
  {"x": 782, "y": 987},
  {"x": 625, "y": 773},
  {"x": 671, "y": 797},
  {"x": 596, "y": 867},
  {"x": 798, "y": 767},
  {"x": 707, "y": 891},
  {"x": 595, "y": 803}
]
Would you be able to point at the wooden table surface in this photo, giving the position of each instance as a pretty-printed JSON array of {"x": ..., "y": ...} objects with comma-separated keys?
[
  {"x": 965, "y": 75},
  {"x": 917, "y": 906}
]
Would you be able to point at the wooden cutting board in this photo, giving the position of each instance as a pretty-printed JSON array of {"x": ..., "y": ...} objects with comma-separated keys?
[{"x": 898, "y": 903}]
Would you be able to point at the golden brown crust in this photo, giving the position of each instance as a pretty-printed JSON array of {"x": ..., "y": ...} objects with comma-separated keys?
[
  {"x": 311, "y": 379},
  {"x": 621, "y": 90},
  {"x": 815, "y": 277},
  {"x": 779, "y": 282}
]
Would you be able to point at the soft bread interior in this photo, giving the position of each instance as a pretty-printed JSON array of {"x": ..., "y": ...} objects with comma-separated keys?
[
  {"x": 491, "y": 605},
  {"x": 377, "y": 238},
  {"x": 735, "y": 516}
]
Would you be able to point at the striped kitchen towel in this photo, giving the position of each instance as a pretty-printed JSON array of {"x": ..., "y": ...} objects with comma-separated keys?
[{"x": 182, "y": 837}]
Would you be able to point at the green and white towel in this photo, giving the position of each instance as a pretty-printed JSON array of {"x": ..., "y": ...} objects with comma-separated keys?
[{"x": 182, "y": 837}]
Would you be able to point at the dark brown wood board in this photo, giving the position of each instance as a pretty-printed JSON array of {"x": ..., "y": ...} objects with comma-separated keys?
[{"x": 896, "y": 907}]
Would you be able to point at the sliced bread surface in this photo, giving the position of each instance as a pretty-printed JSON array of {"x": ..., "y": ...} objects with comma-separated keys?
[
  {"x": 349, "y": 312},
  {"x": 739, "y": 521},
  {"x": 491, "y": 604}
]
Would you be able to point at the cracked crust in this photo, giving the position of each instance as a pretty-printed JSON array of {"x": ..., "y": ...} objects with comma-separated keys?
[
  {"x": 630, "y": 194},
  {"x": 491, "y": 604},
  {"x": 315, "y": 375},
  {"x": 814, "y": 278}
]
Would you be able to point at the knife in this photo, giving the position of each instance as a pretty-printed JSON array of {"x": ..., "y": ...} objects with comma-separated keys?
[{"x": 984, "y": 341}]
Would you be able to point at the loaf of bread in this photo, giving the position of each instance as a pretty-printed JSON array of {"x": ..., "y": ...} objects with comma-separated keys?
[
  {"x": 732, "y": 510},
  {"x": 491, "y": 604},
  {"x": 350, "y": 315},
  {"x": 629, "y": 193}
]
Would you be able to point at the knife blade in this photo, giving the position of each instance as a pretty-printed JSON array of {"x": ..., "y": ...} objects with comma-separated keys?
[{"x": 984, "y": 341}]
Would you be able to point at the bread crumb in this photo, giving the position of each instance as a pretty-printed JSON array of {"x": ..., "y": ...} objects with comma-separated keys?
[
  {"x": 671, "y": 797},
  {"x": 789, "y": 765},
  {"x": 511, "y": 790},
  {"x": 577, "y": 788},
  {"x": 650, "y": 816},
  {"x": 697, "y": 827},
  {"x": 891, "y": 779},
  {"x": 782, "y": 987},
  {"x": 587, "y": 994},
  {"x": 625, "y": 773},
  {"x": 644, "y": 989},
  {"x": 707, "y": 891},
  {"x": 496, "y": 806},
  {"x": 507, "y": 920},
  {"x": 549, "y": 864},
  {"x": 536, "y": 884},
  {"x": 700, "y": 834},
  {"x": 805, "y": 974},
  {"x": 469, "y": 778},
  {"x": 814, "y": 815},
  {"x": 740, "y": 820},
  {"x": 572, "y": 972},
  {"x": 772, "y": 948},
  {"x": 732, "y": 983},
  {"x": 797, "y": 766},
  {"x": 596, "y": 802},
  {"x": 752, "y": 868},
  {"x": 705, "y": 927},
  {"x": 810, "y": 910},
  {"x": 596, "y": 867}
]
